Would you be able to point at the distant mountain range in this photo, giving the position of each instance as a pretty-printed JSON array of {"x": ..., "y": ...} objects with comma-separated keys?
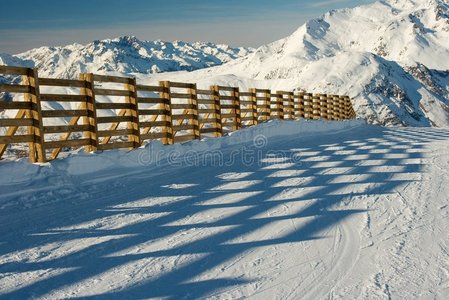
[
  {"x": 125, "y": 54},
  {"x": 391, "y": 57}
]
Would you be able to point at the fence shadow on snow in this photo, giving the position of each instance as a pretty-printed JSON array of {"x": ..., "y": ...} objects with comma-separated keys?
[{"x": 178, "y": 233}]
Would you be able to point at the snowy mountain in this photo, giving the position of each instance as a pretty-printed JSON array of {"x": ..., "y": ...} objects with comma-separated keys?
[
  {"x": 125, "y": 54},
  {"x": 391, "y": 57}
]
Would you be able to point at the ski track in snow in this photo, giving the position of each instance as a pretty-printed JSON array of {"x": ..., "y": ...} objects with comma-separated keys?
[{"x": 359, "y": 214}]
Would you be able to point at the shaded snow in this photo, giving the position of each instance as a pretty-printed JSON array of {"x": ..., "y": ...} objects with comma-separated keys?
[{"x": 329, "y": 210}]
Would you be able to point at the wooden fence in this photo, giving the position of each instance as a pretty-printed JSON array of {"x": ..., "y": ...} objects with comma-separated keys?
[{"x": 108, "y": 112}]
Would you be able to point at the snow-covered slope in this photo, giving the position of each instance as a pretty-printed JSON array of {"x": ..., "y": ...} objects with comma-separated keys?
[
  {"x": 391, "y": 57},
  {"x": 124, "y": 55},
  {"x": 327, "y": 210}
]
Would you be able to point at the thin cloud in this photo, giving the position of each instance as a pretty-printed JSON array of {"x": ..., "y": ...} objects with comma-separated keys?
[{"x": 327, "y": 3}]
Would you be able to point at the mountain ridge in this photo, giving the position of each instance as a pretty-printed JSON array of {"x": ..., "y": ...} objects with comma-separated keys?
[
  {"x": 390, "y": 57},
  {"x": 125, "y": 54}
]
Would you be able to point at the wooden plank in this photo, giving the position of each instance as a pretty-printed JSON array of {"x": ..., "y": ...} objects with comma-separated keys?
[
  {"x": 66, "y": 128},
  {"x": 180, "y": 96},
  {"x": 115, "y": 119},
  {"x": 209, "y": 121},
  {"x": 182, "y": 106},
  {"x": 150, "y": 88},
  {"x": 228, "y": 116},
  {"x": 12, "y": 130},
  {"x": 91, "y": 119},
  {"x": 38, "y": 146},
  {"x": 13, "y": 88},
  {"x": 181, "y": 85},
  {"x": 133, "y": 111},
  {"x": 16, "y": 105},
  {"x": 151, "y": 112},
  {"x": 115, "y": 79},
  {"x": 63, "y": 98},
  {"x": 154, "y": 124},
  {"x": 116, "y": 145},
  {"x": 184, "y": 138},
  {"x": 152, "y": 136},
  {"x": 61, "y": 82},
  {"x": 67, "y": 143},
  {"x": 228, "y": 106},
  {"x": 16, "y": 139},
  {"x": 111, "y": 92},
  {"x": 246, "y": 102},
  {"x": 226, "y": 97},
  {"x": 227, "y": 88},
  {"x": 195, "y": 121},
  {"x": 206, "y": 101},
  {"x": 204, "y": 92},
  {"x": 64, "y": 113},
  {"x": 16, "y": 122},
  {"x": 260, "y": 98},
  {"x": 207, "y": 110},
  {"x": 10, "y": 70},
  {"x": 182, "y": 117},
  {"x": 167, "y": 131},
  {"x": 210, "y": 130},
  {"x": 115, "y": 105},
  {"x": 117, "y": 132},
  {"x": 146, "y": 100}
]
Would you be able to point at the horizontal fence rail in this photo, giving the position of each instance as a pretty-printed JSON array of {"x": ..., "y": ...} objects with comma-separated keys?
[{"x": 100, "y": 112}]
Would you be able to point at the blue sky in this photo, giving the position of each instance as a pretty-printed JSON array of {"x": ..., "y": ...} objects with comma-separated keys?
[{"x": 27, "y": 24}]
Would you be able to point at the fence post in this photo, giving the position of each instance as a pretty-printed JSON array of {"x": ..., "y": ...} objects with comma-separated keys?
[
  {"x": 133, "y": 111},
  {"x": 291, "y": 105},
  {"x": 330, "y": 107},
  {"x": 215, "y": 97},
  {"x": 29, "y": 115},
  {"x": 253, "y": 100},
  {"x": 37, "y": 148},
  {"x": 268, "y": 104},
  {"x": 236, "y": 103},
  {"x": 166, "y": 105},
  {"x": 195, "y": 121},
  {"x": 341, "y": 108},
  {"x": 91, "y": 118},
  {"x": 316, "y": 106},
  {"x": 335, "y": 107},
  {"x": 323, "y": 106},
  {"x": 280, "y": 104},
  {"x": 348, "y": 107},
  {"x": 299, "y": 106}
]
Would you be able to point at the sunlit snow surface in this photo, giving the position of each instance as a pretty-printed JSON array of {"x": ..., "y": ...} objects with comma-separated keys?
[{"x": 319, "y": 210}]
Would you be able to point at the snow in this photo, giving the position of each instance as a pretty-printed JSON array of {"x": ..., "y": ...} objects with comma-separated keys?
[
  {"x": 291, "y": 209},
  {"x": 126, "y": 54},
  {"x": 390, "y": 57}
]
